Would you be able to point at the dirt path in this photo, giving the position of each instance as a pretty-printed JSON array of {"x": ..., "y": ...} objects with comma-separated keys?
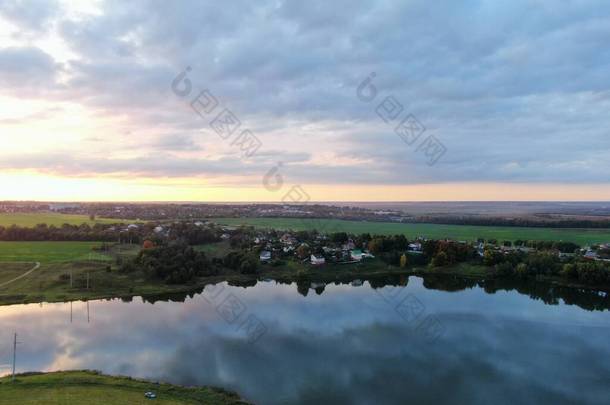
[{"x": 27, "y": 273}]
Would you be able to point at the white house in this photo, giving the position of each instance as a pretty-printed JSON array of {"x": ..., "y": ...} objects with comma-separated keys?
[
  {"x": 317, "y": 260},
  {"x": 265, "y": 256},
  {"x": 415, "y": 247},
  {"x": 356, "y": 255}
]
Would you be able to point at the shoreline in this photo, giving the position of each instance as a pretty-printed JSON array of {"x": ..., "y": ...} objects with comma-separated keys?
[{"x": 286, "y": 274}]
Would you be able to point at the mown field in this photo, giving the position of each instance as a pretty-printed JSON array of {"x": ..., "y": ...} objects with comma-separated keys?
[
  {"x": 49, "y": 218},
  {"x": 432, "y": 231},
  {"x": 85, "y": 387},
  {"x": 47, "y": 252}
]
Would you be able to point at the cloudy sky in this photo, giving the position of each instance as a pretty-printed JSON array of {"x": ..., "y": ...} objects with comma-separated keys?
[{"x": 492, "y": 100}]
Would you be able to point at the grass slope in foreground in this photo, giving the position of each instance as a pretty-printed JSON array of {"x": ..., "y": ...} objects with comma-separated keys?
[
  {"x": 430, "y": 231},
  {"x": 88, "y": 387},
  {"x": 50, "y": 218}
]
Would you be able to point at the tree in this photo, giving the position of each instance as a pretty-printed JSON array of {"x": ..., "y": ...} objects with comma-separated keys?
[
  {"x": 339, "y": 237},
  {"x": 440, "y": 260},
  {"x": 247, "y": 266},
  {"x": 303, "y": 251},
  {"x": 404, "y": 261},
  {"x": 521, "y": 270},
  {"x": 504, "y": 269}
]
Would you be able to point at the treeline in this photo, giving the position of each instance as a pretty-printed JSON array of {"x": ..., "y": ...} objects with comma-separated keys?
[
  {"x": 524, "y": 265},
  {"x": 185, "y": 232},
  {"x": 66, "y": 232},
  {"x": 524, "y": 222},
  {"x": 564, "y": 247}
]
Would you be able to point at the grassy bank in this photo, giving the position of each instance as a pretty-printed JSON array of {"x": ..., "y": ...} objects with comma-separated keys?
[
  {"x": 430, "y": 231},
  {"x": 87, "y": 387},
  {"x": 50, "y": 218}
]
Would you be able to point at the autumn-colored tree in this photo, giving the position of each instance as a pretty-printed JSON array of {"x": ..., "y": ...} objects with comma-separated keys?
[
  {"x": 404, "y": 261},
  {"x": 148, "y": 244},
  {"x": 303, "y": 251}
]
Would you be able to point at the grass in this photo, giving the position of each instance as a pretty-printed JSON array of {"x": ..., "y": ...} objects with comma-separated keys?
[
  {"x": 87, "y": 387},
  {"x": 48, "y": 252},
  {"x": 50, "y": 218},
  {"x": 431, "y": 231},
  {"x": 9, "y": 271}
]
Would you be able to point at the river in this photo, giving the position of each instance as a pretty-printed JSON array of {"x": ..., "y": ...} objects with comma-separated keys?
[{"x": 394, "y": 341}]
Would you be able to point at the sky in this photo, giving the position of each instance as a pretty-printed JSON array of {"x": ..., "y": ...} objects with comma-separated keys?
[{"x": 304, "y": 101}]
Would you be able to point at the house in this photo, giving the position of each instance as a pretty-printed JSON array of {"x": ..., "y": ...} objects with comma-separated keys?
[
  {"x": 591, "y": 255},
  {"x": 225, "y": 236},
  {"x": 265, "y": 256},
  {"x": 356, "y": 254},
  {"x": 158, "y": 229},
  {"x": 317, "y": 260},
  {"x": 288, "y": 239},
  {"x": 415, "y": 247},
  {"x": 367, "y": 255}
]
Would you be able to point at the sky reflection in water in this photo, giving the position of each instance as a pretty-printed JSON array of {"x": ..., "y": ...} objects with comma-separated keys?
[{"x": 347, "y": 345}]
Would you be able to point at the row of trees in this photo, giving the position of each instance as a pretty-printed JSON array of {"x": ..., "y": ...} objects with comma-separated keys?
[
  {"x": 546, "y": 263},
  {"x": 66, "y": 232}
]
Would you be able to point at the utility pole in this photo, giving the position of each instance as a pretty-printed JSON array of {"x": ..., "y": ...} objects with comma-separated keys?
[
  {"x": 15, "y": 343},
  {"x": 87, "y": 280},
  {"x": 70, "y": 278}
]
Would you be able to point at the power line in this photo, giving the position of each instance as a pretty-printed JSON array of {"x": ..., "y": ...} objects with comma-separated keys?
[{"x": 15, "y": 343}]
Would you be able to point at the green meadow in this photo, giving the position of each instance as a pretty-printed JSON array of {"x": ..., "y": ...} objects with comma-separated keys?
[
  {"x": 48, "y": 252},
  {"x": 49, "y": 218},
  {"x": 431, "y": 231}
]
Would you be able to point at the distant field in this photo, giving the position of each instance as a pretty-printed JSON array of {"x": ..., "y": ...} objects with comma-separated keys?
[
  {"x": 432, "y": 231},
  {"x": 49, "y": 218},
  {"x": 45, "y": 252}
]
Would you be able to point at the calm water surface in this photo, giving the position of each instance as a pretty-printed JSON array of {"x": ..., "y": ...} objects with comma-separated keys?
[{"x": 349, "y": 344}]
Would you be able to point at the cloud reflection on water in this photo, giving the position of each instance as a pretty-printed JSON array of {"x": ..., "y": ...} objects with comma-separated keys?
[{"x": 344, "y": 346}]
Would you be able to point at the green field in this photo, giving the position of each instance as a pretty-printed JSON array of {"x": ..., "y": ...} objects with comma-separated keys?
[
  {"x": 49, "y": 218},
  {"x": 431, "y": 231},
  {"x": 46, "y": 252},
  {"x": 85, "y": 387}
]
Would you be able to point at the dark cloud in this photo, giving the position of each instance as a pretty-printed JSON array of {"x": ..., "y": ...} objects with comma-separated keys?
[
  {"x": 27, "y": 71},
  {"x": 515, "y": 91},
  {"x": 30, "y": 15}
]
